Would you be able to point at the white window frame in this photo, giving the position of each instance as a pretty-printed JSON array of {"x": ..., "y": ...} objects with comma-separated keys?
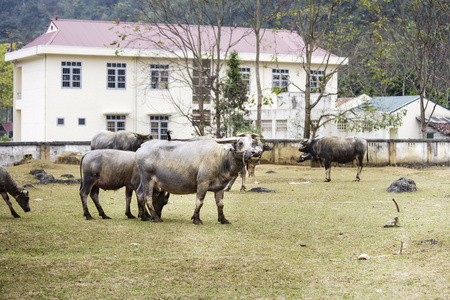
[
  {"x": 245, "y": 77},
  {"x": 116, "y": 76},
  {"x": 71, "y": 74},
  {"x": 159, "y": 125},
  {"x": 315, "y": 79},
  {"x": 116, "y": 123},
  {"x": 280, "y": 80},
  {"x": 159, "y": 77}
]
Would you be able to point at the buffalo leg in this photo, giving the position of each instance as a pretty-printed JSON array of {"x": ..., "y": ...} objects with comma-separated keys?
[
  {"x": 243, "y": 173},
  {"x": 327, "y": 171},
  {"x": 201, "y": 193},
  {"x": 359, "y": 163},
  {"x": 219, "y": 202},
  {"x": 145, "y": 191},
  {"x": 128, "y": 195},
  {"x": 230, "y": 184},
  {"x": 8, "y": 202},
  {"x": 84, "y": 192},
  {"x": 94, "y": 195}
]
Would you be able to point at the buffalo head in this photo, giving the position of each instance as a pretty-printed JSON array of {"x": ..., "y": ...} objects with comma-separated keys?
[
  {"x": 243, "y": 146},
  {"x": 305, "y": 145},
  {"x": 23, "y": 199}
]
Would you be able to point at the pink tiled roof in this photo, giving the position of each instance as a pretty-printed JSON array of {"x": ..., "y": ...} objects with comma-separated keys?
[{"x": 82, "y": 33}]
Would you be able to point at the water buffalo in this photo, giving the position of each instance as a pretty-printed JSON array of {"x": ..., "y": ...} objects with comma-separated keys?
[
  {"x": 195, "y": 166},
  {"x": 9, "y": 186},
  {"x": 334, "y": 149},
  {"x": 121, "y": 140},
  {"x": 110, "y": 169}
]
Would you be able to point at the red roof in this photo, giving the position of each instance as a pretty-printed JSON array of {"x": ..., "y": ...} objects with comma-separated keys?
[
  {"x": 7, "y": 126},
  {"x": 82, "y": 33}
]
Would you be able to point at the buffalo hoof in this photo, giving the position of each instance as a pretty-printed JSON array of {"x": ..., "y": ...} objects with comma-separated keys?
[
  {"x": 356, "y": 180},
  {"x": 197, "y": 222},
  {"x": 225, "y": 221},
  {"x": 242, "y": 189},
  {"x": 105, "y": 217},
  {"x": 145, "y": 218},
  {"x": 130, "y": 216},
  {"x": 16, "y": 216},
  {"x": 89, "y": 218},
  {"x": 157, "y": 220},
  {"x": 327, "y": 180}
]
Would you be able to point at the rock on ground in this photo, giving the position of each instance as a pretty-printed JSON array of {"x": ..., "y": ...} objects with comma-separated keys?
[{"x": 401, "y": 185}]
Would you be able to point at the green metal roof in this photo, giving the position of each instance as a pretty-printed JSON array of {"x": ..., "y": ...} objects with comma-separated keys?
[{"x": 392, "y": 103}]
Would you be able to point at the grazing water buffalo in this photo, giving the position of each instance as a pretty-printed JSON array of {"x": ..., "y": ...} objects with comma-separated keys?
[
  {"x": 334, "y": 149},
  {"x": 195, "y": 166},
  {"x": 9, "y": 186},
  {"x": 121, "y": 140},
  {"x": 110, "y": 169}
]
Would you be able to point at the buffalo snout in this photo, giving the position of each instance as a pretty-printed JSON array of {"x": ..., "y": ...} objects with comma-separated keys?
[
  {"x": 24, "y": 201},
  {"x": 304, "y": 157}
]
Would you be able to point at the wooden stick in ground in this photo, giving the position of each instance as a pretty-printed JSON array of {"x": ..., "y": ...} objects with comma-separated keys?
[{"x": 398, "y": 209}]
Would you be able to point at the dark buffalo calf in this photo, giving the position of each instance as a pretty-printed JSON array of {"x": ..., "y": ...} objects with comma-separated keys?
[
  {"x": 334, "y": 149},
  {"x": 9, "y": 186}
]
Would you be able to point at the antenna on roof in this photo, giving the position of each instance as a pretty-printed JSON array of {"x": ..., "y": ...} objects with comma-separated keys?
[{"x": 56, "y": 17}]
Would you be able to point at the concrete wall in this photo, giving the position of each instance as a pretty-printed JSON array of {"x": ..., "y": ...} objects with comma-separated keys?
[
  {"x": 381, "y": 152},
  {"x": 13, "y": 152}
]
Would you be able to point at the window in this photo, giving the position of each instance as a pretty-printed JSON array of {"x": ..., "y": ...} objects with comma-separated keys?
[
  {"x": 196, "y": 116},
  {"x": 71, "y": 74},
  {"x": 200, "y": 82},
  {"x": 159, "y": 126},
  {"x": 116, "y": 75},
  {"x": 115, "y": 123},
  {"x": 266, "y": 128},
  {"x": 430, "y": 135},
  {"x": 245, "y": 76},
  {"x": 280, "y": 80},
  {"x": 342, "y": 126},
  {"x": 316, "y": 81},
  {"x": 81, "y": 121},
  {"x": 159, "y": 77},
  {"x": 60, "y": 121},
  {"x": 281, "y": 125}
]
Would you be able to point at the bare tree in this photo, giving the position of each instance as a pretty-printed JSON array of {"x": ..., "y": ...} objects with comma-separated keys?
[
  {"x": 325, "y": 27},
  {"x": 260, "y": 12},
  {"x": 192, "y": 33},
  {"x": 421, "y": 33}
]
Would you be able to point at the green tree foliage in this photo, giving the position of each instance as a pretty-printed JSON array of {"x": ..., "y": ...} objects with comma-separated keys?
[{"x": 232, "y": 109}]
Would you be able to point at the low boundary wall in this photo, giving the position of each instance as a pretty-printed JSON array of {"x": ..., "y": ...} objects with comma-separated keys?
[{"x": 381, "y": 152}]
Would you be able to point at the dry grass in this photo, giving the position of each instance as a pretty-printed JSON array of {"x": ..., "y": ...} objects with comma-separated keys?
[{"x": 300, "y": 242}]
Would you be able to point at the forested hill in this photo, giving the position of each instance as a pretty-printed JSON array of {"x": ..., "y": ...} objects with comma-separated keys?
[{"x": 24, "y": 20}]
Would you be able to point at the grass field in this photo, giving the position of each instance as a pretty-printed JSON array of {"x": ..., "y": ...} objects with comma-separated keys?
[{"x": 301, "y": 242}]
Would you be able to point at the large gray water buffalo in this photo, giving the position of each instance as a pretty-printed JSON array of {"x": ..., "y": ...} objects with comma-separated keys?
[
  {"x": 120, "y": 140},
  {"x": 9, "y": 186},
  {"x": 195, "y": 166},
  {"x": 334, "y": 149},
  {"x": 110, "y": 169}
]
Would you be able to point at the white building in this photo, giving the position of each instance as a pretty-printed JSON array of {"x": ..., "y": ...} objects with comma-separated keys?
[
  {"x": 438, "y": 127},
  {"x": 71, "y": 82}
]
